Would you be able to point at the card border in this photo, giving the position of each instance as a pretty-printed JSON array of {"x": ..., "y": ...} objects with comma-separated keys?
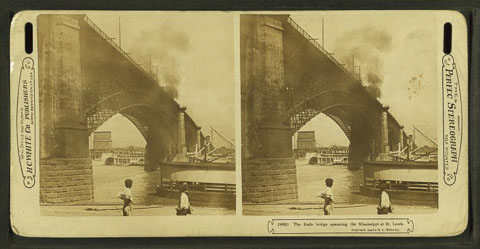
[{"x": 469, "y": 236}]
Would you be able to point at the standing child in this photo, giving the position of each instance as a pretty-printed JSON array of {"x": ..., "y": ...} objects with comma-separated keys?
[
  {"x": 327, "y": 195},
  {"x": 384, "y": 207},
  {"x": 127, "y": 198}
]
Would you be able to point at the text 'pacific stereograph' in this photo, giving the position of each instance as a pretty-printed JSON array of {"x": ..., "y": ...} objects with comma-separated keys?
[{"x": 320, "y": 123}]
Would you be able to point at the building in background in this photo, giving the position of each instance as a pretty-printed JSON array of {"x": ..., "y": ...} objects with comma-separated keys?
[
  {"x": 305, "y": 143},
  {"x": 102, "y": 143},
  {"x": 102, "y": 151}
]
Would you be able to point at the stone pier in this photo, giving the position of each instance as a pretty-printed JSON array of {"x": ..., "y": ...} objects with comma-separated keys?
[
  {"x": 268, "y": 169},
  {"x": 269, "y": 180},
  {"x": 65, "y": 164},
  {"x": 360, "y": 142},
  {"x": 66, "y": 180}
]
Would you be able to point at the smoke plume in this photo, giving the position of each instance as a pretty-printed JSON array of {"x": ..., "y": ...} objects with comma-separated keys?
[
  {"x": 158, "y": 49},
  {"x": 365, "y": 46}
]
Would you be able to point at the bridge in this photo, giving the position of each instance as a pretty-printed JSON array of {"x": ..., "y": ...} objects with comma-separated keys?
[
  {"x": 287, "y": 79},
  {"x": 85, "y": 79}
]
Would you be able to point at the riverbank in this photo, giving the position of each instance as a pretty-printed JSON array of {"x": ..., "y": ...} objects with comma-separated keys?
[
  {"x": 109, "y": 180},
  {"x": 116, "y": 210},
  {"x": 346, "y": 192},
  {"x": 311, "y": 209}
]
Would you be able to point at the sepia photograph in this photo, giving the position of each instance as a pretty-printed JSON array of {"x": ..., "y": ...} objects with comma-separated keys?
[
  {"x": 244, "y": 123},
  {"x": 339, "y": 114},
  {"x": 136, "y": 114}
]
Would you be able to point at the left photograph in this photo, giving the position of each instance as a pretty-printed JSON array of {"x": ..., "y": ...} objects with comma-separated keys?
[{"x": 136, "y": 114}]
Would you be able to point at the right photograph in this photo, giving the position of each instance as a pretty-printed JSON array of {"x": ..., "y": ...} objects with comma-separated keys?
[{"x": 339, "y": 113}]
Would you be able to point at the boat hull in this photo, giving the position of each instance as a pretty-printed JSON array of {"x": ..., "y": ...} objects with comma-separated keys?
[
  {"x": 402, "y": 194},
  {"x": 407, "y": 180}
]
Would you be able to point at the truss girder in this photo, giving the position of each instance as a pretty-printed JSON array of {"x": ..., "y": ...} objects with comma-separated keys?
[
  {"x": 336, "y": 104},
  {"x": 138, "y": 123},
  {"x": 132, "y": 104},
  {"x": 343, "y": 124}
]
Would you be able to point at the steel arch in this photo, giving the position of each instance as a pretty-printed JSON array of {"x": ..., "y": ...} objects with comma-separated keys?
[
  {"x": 132, "y": 105},
  {"x": 326, "y": 102}
]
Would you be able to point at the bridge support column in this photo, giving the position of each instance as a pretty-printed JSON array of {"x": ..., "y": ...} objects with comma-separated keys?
[
  {"x": 199, "y": 138},
  {"x": 360, "y": 143},
  {"x": 160, "y": 148},
  {"x": 385, "y": 143},
  {"x": 152, "y": 151},
  {"x": 402, "y": 143},
  {"x": 268, "y": 170},
  {"x": 385, "y": 149},
  {"x": 66, "y": 174},
  {"x": 181, "y": 142}
]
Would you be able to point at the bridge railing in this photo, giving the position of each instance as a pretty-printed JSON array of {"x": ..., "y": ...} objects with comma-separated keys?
[
  {"x": 116, "y": 46},
  {"x": 316, "y": 44}
]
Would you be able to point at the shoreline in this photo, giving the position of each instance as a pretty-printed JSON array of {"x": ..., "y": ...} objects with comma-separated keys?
[{"x": 116, "y": 210}]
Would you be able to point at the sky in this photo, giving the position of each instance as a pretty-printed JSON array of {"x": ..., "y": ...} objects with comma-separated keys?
[
  {"x": 195, "y": 51},
  {"x": 192, "y": 51},
  {"x": 401, "y": 49}
]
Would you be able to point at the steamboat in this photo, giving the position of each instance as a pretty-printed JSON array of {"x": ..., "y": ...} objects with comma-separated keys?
[
  {"x": 410, "y": 174},
  {"x": 208, "y": 173}
]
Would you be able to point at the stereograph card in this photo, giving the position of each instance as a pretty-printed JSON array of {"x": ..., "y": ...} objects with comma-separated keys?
[{"x": 291, "y": 123}]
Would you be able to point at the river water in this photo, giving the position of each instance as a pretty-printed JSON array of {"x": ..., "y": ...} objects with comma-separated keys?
[
  {"x": 346, "y": 185},
  {"x": 311, "y": 182},
  {"x": 109, "y": 181}
]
